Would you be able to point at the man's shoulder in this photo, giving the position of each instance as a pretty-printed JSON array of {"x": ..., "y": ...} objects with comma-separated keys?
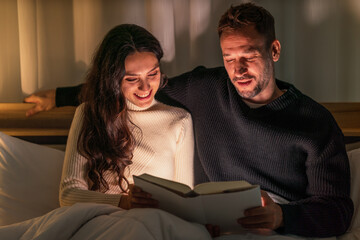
[
  {"x": 311, "y": 108},
  {"x": 305, "y": 104},
  {"x": 214, "y": 71},
  {"x": 304, "y": 99},
  {"x": 315, "y": 106},
  {"x": 201, "y": 72},
  {"x": 311, "y": 104}
]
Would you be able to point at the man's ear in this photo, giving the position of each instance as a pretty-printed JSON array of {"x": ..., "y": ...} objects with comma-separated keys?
[{"x": 275, "y": 50}]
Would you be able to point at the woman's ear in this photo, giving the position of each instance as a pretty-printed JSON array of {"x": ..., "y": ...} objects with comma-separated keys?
[{"x": 275, "y": 50}]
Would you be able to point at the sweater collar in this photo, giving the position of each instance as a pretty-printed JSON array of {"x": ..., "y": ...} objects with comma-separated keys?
[
  {"x": 133, "y": 107},
  {"x": 289, "y": 97}
]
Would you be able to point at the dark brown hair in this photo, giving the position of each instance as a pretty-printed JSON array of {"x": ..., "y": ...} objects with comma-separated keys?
[
  {"x": 105, "y": 137},
  {"x": 245, "y": 14}
]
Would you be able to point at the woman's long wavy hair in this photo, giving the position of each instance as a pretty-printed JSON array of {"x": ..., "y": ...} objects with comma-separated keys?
[{"x": 105, "y": 137}]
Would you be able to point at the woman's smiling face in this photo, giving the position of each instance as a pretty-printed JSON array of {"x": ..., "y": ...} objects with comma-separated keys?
[{"x": 142, "y": 78}]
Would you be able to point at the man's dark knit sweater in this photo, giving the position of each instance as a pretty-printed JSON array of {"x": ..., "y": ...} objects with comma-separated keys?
[{"x": 291, "y": 147}]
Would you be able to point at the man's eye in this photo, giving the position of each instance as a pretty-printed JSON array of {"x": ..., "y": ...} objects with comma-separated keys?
[
  {"x": 251, "y": 59},
  {"x": 229, "y": 60}
]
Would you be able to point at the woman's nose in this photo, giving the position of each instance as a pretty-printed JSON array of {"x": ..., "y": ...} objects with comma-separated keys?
[{"x": 144, "y": 85}]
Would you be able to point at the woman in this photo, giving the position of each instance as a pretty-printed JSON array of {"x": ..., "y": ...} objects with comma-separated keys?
[{"x": 120, "y": 130}]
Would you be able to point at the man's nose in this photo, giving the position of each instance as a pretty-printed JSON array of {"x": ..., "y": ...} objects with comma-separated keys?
[{"x": 240, "y": 67}]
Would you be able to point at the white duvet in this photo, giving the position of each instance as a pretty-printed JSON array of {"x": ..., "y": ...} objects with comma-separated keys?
[{"x": 99, "y": 221}]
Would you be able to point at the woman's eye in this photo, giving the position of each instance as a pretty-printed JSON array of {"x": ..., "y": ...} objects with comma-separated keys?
[
  {"x": 131, "y": 79},
  {"x": 153, "y": 74}
]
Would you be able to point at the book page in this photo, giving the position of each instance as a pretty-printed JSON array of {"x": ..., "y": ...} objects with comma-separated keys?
[
  {"x": 224, "y": 209},
  {"x": 220, "y": 187},
  {"x": 190, "y": 209},
  {"x": 217, "y": 209},
  {"x": 171, "y": 185}
]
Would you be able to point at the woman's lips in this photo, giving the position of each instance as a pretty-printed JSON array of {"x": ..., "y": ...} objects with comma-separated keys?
[{"x": 143, "y": 96}]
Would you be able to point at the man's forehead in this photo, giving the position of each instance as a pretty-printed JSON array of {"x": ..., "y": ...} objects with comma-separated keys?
[
  {"x": 244, "y": 44},
  {"x": 239, "y": 29},
  {"x": 227, "y": 51},
  {"x": 242, "y": 41},
  {"x": 248, "y": 32}
]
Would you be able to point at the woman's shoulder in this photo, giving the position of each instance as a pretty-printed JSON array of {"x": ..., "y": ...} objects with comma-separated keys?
[
  {"x": 79, "y": 114},
  {"x": 176, "y": 111},
  {"x": 80, "y": 109}
]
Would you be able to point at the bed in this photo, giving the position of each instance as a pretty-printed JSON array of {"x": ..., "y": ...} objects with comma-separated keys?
[{"x": 31, "y": 155}]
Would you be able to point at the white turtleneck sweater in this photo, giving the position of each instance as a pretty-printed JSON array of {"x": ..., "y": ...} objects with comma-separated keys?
[{"x": 164, "y": 148}]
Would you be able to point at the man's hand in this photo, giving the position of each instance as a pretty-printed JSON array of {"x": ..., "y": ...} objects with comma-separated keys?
[
  {"x": 213, "y": 230},
  {"x": 268, "y": 216},
  {"x": 137, "y": 198},
  {"x": 44, "y": 101}
]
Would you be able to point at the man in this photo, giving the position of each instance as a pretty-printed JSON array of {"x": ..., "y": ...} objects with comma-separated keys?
[{"x": 250, "y": 126}]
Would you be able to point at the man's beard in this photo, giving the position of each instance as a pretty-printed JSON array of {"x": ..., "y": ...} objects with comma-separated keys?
[
  {"x": 252, "y": 93},
  {"x": 263, "y": 82}
]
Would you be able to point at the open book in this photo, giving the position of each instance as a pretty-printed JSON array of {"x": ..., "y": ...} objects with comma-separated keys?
[{"x": 217, "y": 203}]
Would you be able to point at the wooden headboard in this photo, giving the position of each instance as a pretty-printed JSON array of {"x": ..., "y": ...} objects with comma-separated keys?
[
  {"x": 49, "y": 128},
  {"x": 347, "y": 116},
  {"x": 52, "y": 127}
]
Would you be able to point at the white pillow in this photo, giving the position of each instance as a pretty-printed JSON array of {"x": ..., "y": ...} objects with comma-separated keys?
[{"x": 29, "y": 179}]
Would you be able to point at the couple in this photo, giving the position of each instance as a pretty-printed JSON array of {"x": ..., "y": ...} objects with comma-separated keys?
[{"x": 247, "y": 126}]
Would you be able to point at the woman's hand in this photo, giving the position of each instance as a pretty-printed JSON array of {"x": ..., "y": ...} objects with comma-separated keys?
[{"x": 137, "y": 198}]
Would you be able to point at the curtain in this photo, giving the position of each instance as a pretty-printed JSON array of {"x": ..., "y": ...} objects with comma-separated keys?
[{"x": 45, "y": 44}]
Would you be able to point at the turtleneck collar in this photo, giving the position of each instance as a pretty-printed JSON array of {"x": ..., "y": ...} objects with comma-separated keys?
[{"x": 133, "y": 107}]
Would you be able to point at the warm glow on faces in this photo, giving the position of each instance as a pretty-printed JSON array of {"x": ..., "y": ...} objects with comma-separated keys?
[
  {"x": 249, "y": 64},
  {"x": 142, "y": 78}
]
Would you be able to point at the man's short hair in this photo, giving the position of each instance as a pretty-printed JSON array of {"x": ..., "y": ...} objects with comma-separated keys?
[{"x": 246, "y": 14}]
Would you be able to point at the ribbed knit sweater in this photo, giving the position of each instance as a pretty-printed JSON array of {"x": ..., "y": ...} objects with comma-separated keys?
[
  {"x": 292, "y": 147},
  {"x": 164, "y": 147}
]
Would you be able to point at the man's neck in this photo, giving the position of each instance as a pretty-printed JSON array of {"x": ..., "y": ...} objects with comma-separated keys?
[{"x": 258, "y": 100}]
